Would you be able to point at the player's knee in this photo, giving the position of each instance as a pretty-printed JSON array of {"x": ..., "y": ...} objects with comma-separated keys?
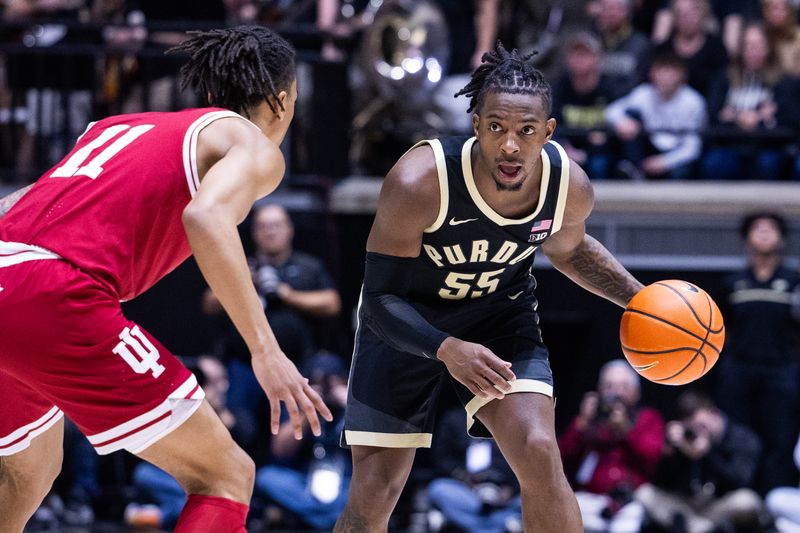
[
  {"x": 541, "y": 453},
  {"x": 381, "y": 488},
  {"x": 245, "y": 468},
  {"x": 230, "y": 475},
  {"x": 236, "y": 473},
  {"x": 32, "y": 481}
]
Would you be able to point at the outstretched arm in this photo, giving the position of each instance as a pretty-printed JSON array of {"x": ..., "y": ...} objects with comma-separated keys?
[
  {"x": 7, "y": 202},
  {"x": 581, "y": 257},
  {"x": 248, "y": 167}
]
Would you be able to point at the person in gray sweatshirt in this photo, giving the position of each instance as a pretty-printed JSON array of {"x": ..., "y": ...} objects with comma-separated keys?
[{"x": 658, "y": 123}]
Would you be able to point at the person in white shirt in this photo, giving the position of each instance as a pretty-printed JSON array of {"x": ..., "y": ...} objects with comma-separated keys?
[{"x": 659, "y": 123}]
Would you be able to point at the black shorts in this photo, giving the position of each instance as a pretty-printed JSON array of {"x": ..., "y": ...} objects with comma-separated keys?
[{"x": 393, "y": 395}]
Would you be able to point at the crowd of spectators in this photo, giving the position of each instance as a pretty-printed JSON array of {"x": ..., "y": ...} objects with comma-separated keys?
[{"x": 669, "y": 89}]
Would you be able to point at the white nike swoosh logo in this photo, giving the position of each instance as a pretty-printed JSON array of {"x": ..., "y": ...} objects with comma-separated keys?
[
  {"x": 454, "y": 222},
  {"x": 515, "y": 296}
]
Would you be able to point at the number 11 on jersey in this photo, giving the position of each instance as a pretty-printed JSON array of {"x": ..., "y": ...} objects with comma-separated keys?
[{"x": 74, "y": 166}]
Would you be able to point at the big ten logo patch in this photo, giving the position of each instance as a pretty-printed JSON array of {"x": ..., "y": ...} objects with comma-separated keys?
[{"x": 138, "y": 352}]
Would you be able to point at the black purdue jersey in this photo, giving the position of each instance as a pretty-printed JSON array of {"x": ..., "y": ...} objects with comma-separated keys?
[{"x": 472, "y": 252}]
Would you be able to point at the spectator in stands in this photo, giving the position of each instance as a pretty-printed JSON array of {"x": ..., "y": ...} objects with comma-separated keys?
[
  {"x": 759, "y": 372},
  {"x": 610, "y": 449},
  {"x": 310, "y": 477},
  {"x": 743, "y": 103},
  {"x": 730, "y": 17},
  {"x": 476, "y": 489},
  {"x": 659, "y": 123},
  {"x": 626, "y": 51},
  {"x": 708, "y": 463},
  {"x": 150, "y": 83},
  {"x": 694, "y": 42},
  {"x": 296, "y": 290},
  {"x": 780, "y": 21},
  {"x": 580, "y": 98},
  {"x": 473, "y": 26},
  {"x": 156, "y": 485},
  {"x": 784, "y": 503},
  {"x": 57, "y": 87}
]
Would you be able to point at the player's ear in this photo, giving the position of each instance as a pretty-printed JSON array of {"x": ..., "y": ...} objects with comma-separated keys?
[
  {"x": 550, "y": 127},
  {"x": 280, "y": 111},
  {"x": 475, "y": 120}
]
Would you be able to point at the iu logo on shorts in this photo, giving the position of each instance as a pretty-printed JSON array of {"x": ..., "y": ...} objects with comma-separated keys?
[{"x": 146, "y": 355}]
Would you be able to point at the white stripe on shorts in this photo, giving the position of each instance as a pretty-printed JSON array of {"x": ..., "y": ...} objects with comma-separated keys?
[
  {"x": 20, "y": 438},
  {"x": 13, "y": 253},
  {"x": 137, "y": 434}
]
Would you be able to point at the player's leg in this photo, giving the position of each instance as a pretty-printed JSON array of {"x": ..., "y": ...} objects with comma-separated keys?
[
  {"x": 216, "y": 474},
  {"x": 379, "y": 475},
  {"x": 26, "y": 477},
  {"x": 391, "y": 403},
  {"x": 524, "y": 427}
]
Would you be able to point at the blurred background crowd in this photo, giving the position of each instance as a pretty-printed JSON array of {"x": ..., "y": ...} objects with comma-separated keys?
[{"x": 699, "y": 96}]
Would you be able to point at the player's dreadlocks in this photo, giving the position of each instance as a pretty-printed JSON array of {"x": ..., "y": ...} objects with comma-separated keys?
[
  {"x": 237, "y": 68},
  {"x": 506, "y": 72}
]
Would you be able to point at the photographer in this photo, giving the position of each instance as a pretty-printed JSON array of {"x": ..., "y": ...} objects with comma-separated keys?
[
  {"x": 702, "y": 481},
  {"x": 310, "y": 477},
  {"x": 296, "y": 292},
  {"x": 611, "y": 448},
  {"x": 477, "y": 490}
]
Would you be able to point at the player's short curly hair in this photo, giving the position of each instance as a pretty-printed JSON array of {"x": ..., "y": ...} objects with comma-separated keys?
[
  {"x": 506, "y": 72},
  {"x": 238, "y": 68}
]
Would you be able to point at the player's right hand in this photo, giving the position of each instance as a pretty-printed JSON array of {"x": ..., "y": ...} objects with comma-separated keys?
[
  {"x": 476, "y": 367},
  {"x": 282, "y": 382}
]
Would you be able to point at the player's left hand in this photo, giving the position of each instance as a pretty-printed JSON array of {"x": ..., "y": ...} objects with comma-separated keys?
[
  {"x": 282, "y": 382},
  {"x": 476, "y": 367}
]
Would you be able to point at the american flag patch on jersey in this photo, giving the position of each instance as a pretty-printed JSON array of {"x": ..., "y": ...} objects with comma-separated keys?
[{"x": 542, "y": 225}]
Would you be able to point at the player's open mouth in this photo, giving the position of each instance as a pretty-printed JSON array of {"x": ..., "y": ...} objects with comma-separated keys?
[{"x": 509, "y": 171}]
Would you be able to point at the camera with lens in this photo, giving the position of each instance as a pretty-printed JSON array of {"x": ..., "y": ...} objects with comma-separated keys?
[{"x": 607, "y": 405}]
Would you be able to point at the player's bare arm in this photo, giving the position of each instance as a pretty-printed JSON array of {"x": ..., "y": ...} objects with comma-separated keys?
[
  {"x": 581, "y": 257},
  {"x": 409, "y": 203},
  {"x": 246, "y": 166},
  {"x": 7, "y": 202}
]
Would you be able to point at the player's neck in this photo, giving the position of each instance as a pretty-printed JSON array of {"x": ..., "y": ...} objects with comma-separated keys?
[{"x": 269, "y": 124}]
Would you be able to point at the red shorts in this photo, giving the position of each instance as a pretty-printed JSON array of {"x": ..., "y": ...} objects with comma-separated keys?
[{"x": 65, "y": 347}]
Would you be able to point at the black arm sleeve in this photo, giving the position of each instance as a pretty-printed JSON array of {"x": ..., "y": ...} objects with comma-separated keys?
[{"x": 385, "y": 310}]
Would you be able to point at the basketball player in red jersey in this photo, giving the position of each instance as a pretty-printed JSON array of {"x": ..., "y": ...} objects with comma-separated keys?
[
  {"x": 134, "y": 198},
  {"x": 448, "y": 296}
]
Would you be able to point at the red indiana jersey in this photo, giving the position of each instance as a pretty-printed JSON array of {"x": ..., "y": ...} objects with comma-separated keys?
[{"x": 112, "y": 207}]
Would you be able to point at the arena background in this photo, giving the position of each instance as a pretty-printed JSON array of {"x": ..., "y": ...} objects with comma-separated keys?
[{"x": 660, "y": 230}]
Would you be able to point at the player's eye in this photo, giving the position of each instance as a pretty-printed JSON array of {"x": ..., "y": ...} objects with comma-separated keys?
[
  {"x": 528, "y": 130},
  {"x": 494, "y": 126}
]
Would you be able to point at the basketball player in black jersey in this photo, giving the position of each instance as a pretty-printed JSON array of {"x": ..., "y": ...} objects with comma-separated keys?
[{"x": 448, "y": 296}]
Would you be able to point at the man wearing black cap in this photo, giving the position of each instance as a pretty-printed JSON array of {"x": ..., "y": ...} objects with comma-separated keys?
[{"x": 579, "y": 101}]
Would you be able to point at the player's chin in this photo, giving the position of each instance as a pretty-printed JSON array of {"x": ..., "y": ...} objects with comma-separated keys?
[{"x": 509, "y": 183}]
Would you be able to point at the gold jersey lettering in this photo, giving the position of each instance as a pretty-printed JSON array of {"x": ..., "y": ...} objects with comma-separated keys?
[
  {"x": 455, "y": 255},
  {"x": 480, "y": 251},
  {"x": 435, "y": 256},
  {"x": 505, "y": 252}
]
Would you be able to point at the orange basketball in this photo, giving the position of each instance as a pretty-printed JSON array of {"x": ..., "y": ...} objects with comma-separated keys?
[{"x": 672, "y": 332}]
